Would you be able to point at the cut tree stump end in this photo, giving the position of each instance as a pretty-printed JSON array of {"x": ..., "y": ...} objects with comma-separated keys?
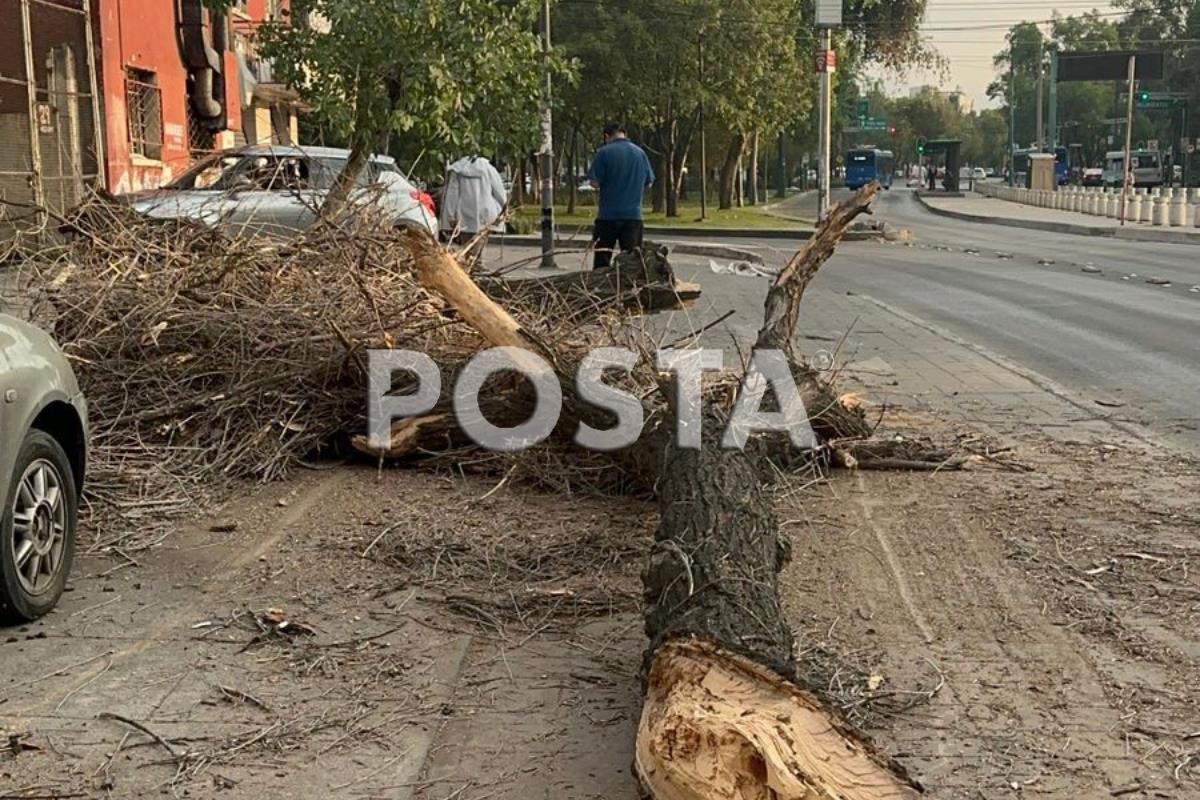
[{"x": 716, "y": 726}]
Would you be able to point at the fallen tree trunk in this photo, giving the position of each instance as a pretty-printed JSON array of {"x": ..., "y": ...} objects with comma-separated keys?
[{"x": 722, "y": 717}]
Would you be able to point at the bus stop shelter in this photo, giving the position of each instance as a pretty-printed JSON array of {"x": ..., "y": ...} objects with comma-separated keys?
[{"x": 952, "y": 150}]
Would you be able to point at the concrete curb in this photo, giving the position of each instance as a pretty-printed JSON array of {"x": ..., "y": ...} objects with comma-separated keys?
[{"x": 1129, "y": 234}]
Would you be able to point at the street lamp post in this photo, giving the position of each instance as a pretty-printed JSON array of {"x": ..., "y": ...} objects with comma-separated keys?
[
  {"x": 829, "y": 16},
  {"x": 546, "y": 156}
]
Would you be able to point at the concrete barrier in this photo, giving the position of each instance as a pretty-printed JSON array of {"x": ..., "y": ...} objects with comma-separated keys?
[
  {"x": 1159, "y": 216},
  {"x": 1178, "y": 216},
  {"x": 1148, "y": 207},
  {"x": 1134, "y": 212}
]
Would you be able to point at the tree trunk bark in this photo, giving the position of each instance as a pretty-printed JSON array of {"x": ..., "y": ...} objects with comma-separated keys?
[
  {"x": 729, "y": 170},
  {"x": 339, "y": 193},
  {"x": 658, "y": 192},
  {"x": 754, "y": 170},
  {"x": 722, "y": 718},
  {"x": 518, "y": 190},
  {"x": 573, "y": 196}
]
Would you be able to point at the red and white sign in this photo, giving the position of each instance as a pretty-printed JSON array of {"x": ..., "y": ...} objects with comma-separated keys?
[{"x": 826, "y": 61}]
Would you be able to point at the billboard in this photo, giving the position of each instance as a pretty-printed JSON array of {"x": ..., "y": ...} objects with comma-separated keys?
[{"x": 1108, "y": 66}]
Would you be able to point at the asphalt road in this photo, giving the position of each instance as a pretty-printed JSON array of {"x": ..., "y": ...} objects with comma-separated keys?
[{"x": 1110, "y": 336}]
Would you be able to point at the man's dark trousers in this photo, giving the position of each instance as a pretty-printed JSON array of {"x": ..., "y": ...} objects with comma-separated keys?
[{"x": 608, "y": 233}]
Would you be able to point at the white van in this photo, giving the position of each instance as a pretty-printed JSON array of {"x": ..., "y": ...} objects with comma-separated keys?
[{"x": 1147, "y": 168}]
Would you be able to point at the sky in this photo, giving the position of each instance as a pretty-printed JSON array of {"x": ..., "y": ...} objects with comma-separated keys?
[{"x": 969, "y": 33}]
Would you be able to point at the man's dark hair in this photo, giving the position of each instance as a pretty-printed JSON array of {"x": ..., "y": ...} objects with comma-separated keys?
[{"x": 613, "y": 128}]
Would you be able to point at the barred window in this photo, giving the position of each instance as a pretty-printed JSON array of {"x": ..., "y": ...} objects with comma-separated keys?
[{"x": 143, "y": 106}]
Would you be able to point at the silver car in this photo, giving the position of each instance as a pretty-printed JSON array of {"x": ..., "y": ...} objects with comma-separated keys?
[
  {"x": 43, "y": 454},
  {"x": 277, "y": 190}
]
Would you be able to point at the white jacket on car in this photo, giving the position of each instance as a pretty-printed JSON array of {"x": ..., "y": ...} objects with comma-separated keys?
[{"x": 474, "y": 196}]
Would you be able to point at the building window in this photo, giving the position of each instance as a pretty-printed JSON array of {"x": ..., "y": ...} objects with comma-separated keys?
[{"x": 143, "y": 106}]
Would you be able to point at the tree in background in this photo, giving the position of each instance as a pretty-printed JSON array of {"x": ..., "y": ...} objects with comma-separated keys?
[{"x": 444, "y": 75}]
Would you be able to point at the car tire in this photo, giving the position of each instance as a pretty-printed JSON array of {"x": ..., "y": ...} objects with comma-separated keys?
[{"x": 30, "y": 589}]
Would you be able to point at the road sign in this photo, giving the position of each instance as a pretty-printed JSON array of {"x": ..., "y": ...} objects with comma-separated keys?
[
  {"x": 826, "y": 61},
  {"x": 1108, "y": 66},
  {"x": 864, "y": 109},
  {"x": 829, "y": 13},
  {"x": 872, "y": 124},
  {"x": 1152, "y": 144}
]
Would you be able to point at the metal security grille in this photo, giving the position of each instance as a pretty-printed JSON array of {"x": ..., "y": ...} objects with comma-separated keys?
[
  {"x": 143, "y": 104},
  {"x": 50, "y": 139}
]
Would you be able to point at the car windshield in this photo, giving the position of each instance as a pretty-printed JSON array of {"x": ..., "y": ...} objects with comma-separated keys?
[{"x": 267, "y": 172}]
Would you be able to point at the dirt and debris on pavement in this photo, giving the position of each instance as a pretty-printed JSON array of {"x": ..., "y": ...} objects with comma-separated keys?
[{"x": 405, "y": 634}]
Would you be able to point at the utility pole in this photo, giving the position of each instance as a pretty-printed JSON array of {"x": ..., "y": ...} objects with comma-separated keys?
[
  {"x": 703, "y": 140},
  {"x": 1041, "y": 88},
  {"x": 825, "y": 134},
  {"x": 1053, "y": 99},
  {"x": 546, "y": 157},
  {"x": 1012, "y": 120},
  {"x": 1128, "y": 167}
]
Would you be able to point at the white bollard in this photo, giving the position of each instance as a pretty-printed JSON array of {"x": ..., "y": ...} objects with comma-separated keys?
[
  {"x": 1178, "y": 215},
  {"x": 1113, "y": 208},
  {"x": 1159, "y": 217},
  {"x": 1148, "y": 207},
  {"x": 1134, "y": 212},
  {"x": 1197, "y": 220},
  {"x": 1093, "y": 205}
]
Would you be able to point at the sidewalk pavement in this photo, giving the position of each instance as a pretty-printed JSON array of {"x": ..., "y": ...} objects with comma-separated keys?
[{"x": 974, "y": 207}]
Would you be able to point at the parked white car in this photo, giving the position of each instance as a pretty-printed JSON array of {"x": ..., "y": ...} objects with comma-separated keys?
[
  {"x": 43, "y": 453},
  {"x": 278, "y": 190}
]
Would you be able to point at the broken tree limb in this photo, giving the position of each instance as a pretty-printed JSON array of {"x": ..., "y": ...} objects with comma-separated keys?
[
  {"x": 641, "y": 279},
  {"x": 783, "y": 300},
  {"x": 722, "y": 718}
]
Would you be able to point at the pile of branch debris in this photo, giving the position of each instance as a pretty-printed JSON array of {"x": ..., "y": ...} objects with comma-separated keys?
[{"x": 208, "y": 358}]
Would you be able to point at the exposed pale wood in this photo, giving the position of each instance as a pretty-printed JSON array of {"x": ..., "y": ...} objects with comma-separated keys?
[
  {"x": 406, "y": 437},
  {"x": 716, "y": 726}
]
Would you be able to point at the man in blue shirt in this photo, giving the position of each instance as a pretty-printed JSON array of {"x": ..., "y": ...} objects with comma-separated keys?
[{"x": 621, "y": 172}]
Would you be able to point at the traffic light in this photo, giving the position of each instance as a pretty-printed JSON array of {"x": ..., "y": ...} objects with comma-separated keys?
[
  {"x": 892, "y": 131},
  {"x": 1143, "y": 98},
  {"x": 920, "y": 147}
]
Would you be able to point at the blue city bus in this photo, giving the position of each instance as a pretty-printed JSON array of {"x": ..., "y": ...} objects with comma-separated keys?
[
  {"x": 866, "y": 165},
  {"x": 1062, "y": 166}
]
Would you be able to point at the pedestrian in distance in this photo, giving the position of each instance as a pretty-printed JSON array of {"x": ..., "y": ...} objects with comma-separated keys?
[
  {"x": 473, "y": 200},
  {"x": 620, "y": 172}
]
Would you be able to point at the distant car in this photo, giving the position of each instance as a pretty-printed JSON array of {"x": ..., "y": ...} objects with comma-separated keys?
[
  {"x": 1093, "y": 176},
  {"x": 43, "y": 454},
  {"x": 280, "y": 189},
  {"x": 979, "y": 174},
  {"x": 990, "y": 172},
  {"x": 585, "y": 187}
]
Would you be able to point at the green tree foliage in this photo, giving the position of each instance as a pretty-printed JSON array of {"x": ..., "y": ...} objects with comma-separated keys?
[{"x": 442, "y": 75}]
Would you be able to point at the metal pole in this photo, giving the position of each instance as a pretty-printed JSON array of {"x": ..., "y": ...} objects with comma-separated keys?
[
  {"x": 35, "y": 145},
  {"x": 825, "y": 134},
  {"x": 1128, "y": 138},
  {"x": 94, "y": 83},
  {"x": 547, "y": 153},
  {"x": 703, "y": 141},
  {"x": 1012, "y": 121},
  {"x": 1053, "y": 100},
  {"x": 1041, "y": 89}
]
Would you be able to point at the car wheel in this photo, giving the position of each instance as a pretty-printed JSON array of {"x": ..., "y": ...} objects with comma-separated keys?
[{"x": 37, "y": 531}]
